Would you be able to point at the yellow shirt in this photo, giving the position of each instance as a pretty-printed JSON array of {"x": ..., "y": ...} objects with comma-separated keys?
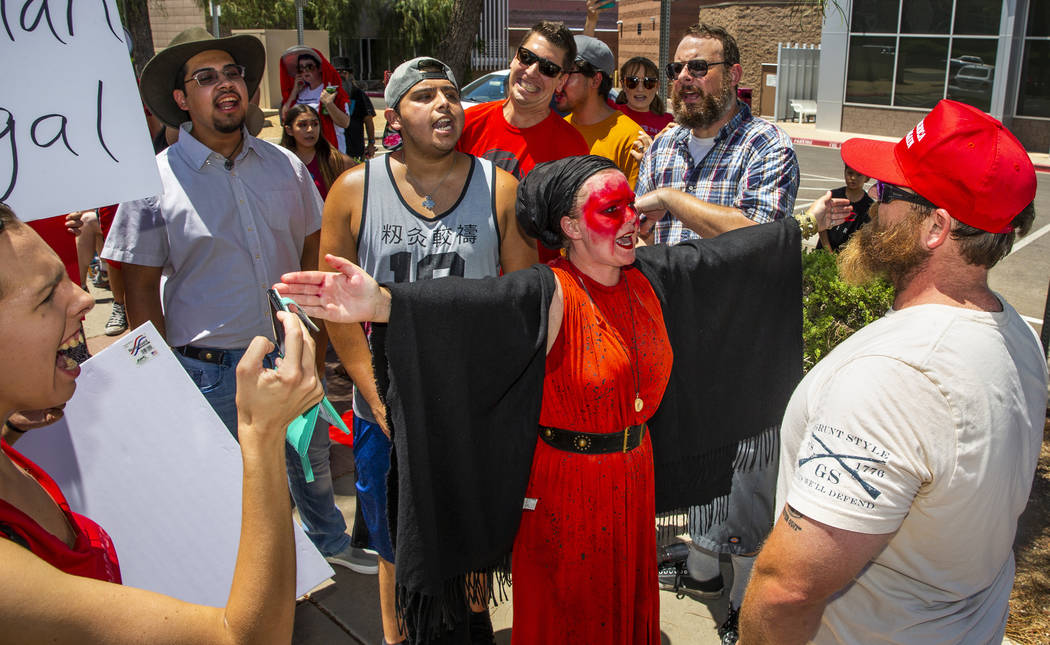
[{"x": 612, "y": 139}]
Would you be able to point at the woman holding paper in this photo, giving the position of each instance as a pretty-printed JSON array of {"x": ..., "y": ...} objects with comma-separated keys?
[{"x": 59, "y": 567}]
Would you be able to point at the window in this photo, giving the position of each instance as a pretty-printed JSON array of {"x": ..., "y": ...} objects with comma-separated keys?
[
  {"x": 911, "y": 54},
  {"x": 1033, "y": 95}
]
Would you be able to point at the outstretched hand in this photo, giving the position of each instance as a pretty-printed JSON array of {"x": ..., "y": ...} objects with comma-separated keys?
[
  {"x": 831, "y": 211},
  {"x": 350, "y": 295}
]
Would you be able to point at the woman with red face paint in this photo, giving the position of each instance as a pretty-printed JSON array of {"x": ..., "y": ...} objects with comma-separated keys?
[
  {"x": 545, "y": 433},
  {"x": 60, "y": 572}
]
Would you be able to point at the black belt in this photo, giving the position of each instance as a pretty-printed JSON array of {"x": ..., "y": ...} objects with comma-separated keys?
[
  {"x": 206, "y": 354},
  {"x": 594, "y": 443}
]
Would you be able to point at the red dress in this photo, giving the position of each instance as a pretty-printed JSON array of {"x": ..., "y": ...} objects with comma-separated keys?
[
  {"x": 92, "y": 554},
  {"x": 584, "y": 567}
]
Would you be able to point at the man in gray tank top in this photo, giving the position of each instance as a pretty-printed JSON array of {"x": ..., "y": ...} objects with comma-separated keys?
[{"x": 423, "y": 212}]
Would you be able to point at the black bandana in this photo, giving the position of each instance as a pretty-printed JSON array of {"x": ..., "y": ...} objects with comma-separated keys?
[{"x": 548, "y": 192}]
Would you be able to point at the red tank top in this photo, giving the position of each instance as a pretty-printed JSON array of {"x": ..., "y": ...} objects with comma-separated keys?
[{"x": 92, "y": 554}]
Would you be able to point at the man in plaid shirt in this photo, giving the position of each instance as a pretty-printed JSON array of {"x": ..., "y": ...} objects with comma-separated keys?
[{"x": 720, "y": 169}]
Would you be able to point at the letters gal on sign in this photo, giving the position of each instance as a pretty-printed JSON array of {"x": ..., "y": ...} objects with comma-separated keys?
[{"x": 73, "y": 134}]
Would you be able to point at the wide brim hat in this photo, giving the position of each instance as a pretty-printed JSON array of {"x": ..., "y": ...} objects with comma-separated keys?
[
  {"x": 159, "y": 75},
  {"x": 959, "y": 158}
]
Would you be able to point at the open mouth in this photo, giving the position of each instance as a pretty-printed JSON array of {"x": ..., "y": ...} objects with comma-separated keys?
[
  {"x": 72, "y": 352},
  {"x": 228, "y": 102},
  {"x": 626, "y": 241},
  {"x": 443, "y": 125},
  {"x": 689, "y": 94}
]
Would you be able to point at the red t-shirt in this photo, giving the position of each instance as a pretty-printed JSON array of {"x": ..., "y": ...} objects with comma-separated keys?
[
  {"x": 651, "y": 122},
  {"x": 92, "y": 554},
  {"x": 487, "y": 134},
  {"x": 53, "y": 231}
]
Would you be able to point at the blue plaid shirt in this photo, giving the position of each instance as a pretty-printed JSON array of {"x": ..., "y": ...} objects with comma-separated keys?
[{"x": 752, "y": 167}]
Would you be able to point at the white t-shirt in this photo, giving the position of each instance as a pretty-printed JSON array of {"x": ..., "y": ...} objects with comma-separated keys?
[
  {"x": 927, "y": 422},
  {"x": 699, "y": 148},
  {"x": 312, "y": 97}
]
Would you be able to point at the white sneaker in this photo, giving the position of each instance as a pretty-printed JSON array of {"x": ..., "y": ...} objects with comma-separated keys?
[{"x": 118, "y": 320}]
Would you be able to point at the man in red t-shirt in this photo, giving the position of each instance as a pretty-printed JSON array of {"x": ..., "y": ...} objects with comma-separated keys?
[{"x": 522, "y": 131}]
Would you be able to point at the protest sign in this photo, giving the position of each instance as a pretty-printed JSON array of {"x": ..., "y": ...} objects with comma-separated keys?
[
  {"x": 73, "y": 132},
  {"x": 142, "y": 453}
]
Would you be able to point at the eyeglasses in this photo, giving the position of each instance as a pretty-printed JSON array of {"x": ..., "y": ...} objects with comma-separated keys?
[
  {"x": 547, "y": 68},
  {"x": 697, "y": 67},
  {"x": 207, "y": 77},
  {"x": 631, "y": 82},
  {"x": 307, "y": 67},
  {"x": 887, "y": 193}
]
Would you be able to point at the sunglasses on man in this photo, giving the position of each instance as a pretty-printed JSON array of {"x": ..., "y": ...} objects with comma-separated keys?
[
  {"x": 697, "y": 67},
  {"x": 206, "y": 77},
  {"x": 547, "y": 68},
  {"x": 886, "y": 193},
  {"x": 631, "y": 82}
]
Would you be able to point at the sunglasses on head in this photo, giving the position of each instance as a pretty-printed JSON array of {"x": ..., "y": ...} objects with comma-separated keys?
[
  {"x": 206, "y": 77},
  {"x": 547, "y": 68},
  {"x": 631, "y": 82},
  {"x": 887, "y": 193},
  {"x": 697, "y": 67}
]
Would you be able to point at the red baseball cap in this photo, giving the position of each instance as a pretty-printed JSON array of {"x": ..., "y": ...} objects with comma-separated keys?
[{"x": 960, "y": 159}]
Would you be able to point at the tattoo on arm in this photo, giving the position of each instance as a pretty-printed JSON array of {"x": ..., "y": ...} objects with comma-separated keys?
[{"x": 790, "y": 515}]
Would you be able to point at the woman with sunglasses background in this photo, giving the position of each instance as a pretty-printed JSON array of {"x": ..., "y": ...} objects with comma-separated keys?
[{"x": 639, "y": 96}]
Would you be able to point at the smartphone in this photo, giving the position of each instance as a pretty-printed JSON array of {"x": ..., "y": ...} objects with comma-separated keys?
[
  {"x": 606, "y": 5},
  {"x": 277, "y": 303}
]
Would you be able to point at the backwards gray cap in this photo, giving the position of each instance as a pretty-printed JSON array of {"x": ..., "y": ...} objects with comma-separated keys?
[
  {"x": 597, "y": 53},
  {"x": 411, "y": 72}
]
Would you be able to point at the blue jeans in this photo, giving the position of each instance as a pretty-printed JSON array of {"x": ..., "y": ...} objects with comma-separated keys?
[
  {"x": 372, "y": 462},
  {"x": 321, "y": 518}
]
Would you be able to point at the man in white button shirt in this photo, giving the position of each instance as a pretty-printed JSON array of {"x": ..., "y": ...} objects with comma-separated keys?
[{"x": 235, "y": 213}]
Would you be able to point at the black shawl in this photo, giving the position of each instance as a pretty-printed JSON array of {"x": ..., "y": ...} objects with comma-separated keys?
[{"x": 461, "y": 365}]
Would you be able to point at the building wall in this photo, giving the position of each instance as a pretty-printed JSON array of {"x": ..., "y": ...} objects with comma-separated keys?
[
  {"x": 758, "y": 27},
  {"x": 1034, "y": 134},
  {"x": 523, "y": 14},
  {"x": 169, "y": 18},
  {"x": 881, "y": 121},
  {"x": 646, "y": 14}
]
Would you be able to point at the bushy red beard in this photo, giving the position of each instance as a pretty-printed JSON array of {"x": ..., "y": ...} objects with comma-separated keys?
[{"x": 894, "y": 253}]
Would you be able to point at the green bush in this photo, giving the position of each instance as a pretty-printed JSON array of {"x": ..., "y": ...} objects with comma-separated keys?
[{"x": 831, "y": 309}]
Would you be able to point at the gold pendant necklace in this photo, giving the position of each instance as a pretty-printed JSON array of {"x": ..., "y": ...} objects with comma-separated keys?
[{"x": 639, "y": 404}]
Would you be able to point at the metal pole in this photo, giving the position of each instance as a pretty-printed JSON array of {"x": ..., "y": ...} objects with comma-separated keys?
[
  {"x": 299, "y": 19},
  {"x": 215, "y": 12},
  {"x": 665, "y": 44},
  {"x": 1045, "y": 336}
]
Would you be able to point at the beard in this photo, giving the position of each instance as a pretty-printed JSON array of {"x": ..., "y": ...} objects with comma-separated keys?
[
  {"x": 894, "y": 253},
  {"x": 708, "y": 110}
]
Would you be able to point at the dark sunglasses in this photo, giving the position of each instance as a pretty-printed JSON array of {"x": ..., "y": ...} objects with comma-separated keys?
[
  {"x": 631, "y": 82},
  {"x": 547, "y": 68},
  {"x": 887, "y": 193},
  {"x": 206, "y": 77},
  {"x": 307, "y": 67},
  {"x": 697, "y": 67}
]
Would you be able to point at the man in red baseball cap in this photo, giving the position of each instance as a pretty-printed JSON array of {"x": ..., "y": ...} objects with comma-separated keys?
[{"x": 908, "y": 452}]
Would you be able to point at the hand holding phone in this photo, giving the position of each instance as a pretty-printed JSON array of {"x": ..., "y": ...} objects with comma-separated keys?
[{"x": 277, "y": 303}]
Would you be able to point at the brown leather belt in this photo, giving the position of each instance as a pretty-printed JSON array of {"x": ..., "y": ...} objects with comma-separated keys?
[{"x": 594, "y": 443}]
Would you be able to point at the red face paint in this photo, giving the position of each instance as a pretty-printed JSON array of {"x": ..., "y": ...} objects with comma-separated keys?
[{"x": 609, "y": 207}]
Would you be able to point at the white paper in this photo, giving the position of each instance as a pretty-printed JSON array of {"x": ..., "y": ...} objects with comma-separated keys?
[
  {"x": 142, "y": 453},
  {"x": 73, "y": 133},
  {"x": 771, "y": 80}
]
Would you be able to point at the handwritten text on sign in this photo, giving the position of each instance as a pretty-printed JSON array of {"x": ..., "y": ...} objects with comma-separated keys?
[{"x": 73, "y": 134}]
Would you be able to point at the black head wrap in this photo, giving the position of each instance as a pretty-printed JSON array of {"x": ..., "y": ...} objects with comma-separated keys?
[{"x": 548, "y": 192}]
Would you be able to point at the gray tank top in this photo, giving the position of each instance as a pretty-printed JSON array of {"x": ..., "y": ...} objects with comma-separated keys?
[{"x": 396, "y": 244}]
